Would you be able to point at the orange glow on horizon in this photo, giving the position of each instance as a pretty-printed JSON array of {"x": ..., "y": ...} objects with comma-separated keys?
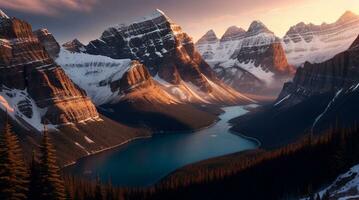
[{"x": 278, "y": 18}]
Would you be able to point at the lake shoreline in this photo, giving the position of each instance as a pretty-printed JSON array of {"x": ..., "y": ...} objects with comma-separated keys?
[
  {"x": 139, "y": 138},
  {"x": 182, "y": 148}
]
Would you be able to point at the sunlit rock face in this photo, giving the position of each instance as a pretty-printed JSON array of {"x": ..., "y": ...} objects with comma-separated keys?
[
  {"x": 105, "y": 80},
  {"x": 158, "y": 43},
  {"x": 251, "y": 61},
  {"x": 318, "y": 43},
  {"x": 33, "y": 86},
  {"x": 169, "y": 55}
]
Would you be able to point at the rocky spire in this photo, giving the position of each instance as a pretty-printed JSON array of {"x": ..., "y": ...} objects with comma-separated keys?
[{"x": 209, "y": 37}]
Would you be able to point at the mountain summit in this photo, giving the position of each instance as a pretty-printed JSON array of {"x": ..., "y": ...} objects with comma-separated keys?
[
  {"x": 209, "y": 37},
  {"x": 257, "y": 27},
  {"x": 233, "y": 33},
  {"x": 347, "y": 16}
]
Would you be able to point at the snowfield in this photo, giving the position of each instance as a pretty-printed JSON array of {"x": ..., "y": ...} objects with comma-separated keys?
[{"x": 94, "y": 73}]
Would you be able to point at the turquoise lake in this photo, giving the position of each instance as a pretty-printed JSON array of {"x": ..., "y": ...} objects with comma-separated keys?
[{"x": 143, "y": 162}]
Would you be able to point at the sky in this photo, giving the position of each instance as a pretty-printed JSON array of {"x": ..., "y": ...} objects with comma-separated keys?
[{"x": 87, "y": 19}]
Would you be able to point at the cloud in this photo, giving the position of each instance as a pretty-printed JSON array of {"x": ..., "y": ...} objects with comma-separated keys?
[{"x": 48, "y": 7}]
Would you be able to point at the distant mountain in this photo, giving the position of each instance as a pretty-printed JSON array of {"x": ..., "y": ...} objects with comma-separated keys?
[
  {"x": 170, "y": 57},
  {"x": 210, "y": 37},
  {"x": 251, "y": 61},
  {"x": 74, "y": 46},
  {"x": 318, "y": 43},
  {"x": 233, "y": 33},
  {"x": 320, "y": 96}
]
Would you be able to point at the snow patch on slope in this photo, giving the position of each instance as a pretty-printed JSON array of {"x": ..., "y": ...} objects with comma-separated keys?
[
  {"x": 327, "y": 108},
  {"x": 10, "y": 102},
  {"x": 327, "y": 41},
  {"x": 93, "y": 73}
]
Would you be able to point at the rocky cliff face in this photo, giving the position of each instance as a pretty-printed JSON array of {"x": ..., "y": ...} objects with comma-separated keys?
[
  {"x": 48, "y": 41},
  {"x": 33, "y": 87},
  {"x": 318, "y": 43},
  {"x": 158, "y": 43},
  {"x": 257, "y": 51}
]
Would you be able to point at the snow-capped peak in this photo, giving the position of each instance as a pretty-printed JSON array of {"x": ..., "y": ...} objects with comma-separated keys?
[
  {"x": 3, "y": 15},
  {"x": 347, "y": 16},
  {"x": 257, "y": 27}
]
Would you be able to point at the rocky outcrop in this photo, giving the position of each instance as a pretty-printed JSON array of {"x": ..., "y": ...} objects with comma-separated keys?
[
  {"x": 318, "y": 43},
  {"x": 48, "y": 41},
  {"x": 136, "y": 76},
  {"x": 74, "y": 46},
  {"x": 28, "y": 72}
]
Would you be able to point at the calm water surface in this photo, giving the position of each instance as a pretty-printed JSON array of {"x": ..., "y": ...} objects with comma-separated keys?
[{"x": 144, "y": 162}]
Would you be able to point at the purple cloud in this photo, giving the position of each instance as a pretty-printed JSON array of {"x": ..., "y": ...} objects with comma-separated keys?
[{"x": 48, "y": 7}]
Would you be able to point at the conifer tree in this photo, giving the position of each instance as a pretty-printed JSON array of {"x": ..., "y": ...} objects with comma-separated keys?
[
  {"x": 13, "y": 171},
  {"x": 35, "y": 183},
  {"x": 98, "y": 190},
  {"x": 52, "y": 185}
]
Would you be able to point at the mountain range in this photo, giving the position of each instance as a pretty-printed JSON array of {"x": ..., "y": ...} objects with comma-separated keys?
[
  {"x": 257, "y": 61},
  {"x": 153, "y": 80}
]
